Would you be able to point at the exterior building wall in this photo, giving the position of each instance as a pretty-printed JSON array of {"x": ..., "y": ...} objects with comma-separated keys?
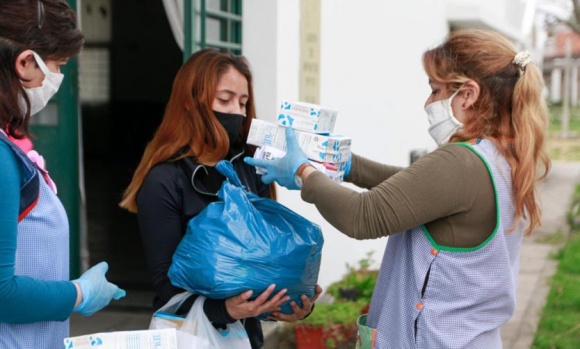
[
  {"x": 556, "y": 66},
  {"x": 513, "y": 18}
]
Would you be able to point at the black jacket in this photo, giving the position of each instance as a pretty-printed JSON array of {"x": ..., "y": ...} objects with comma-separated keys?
[{"x": 166, "y": 202}]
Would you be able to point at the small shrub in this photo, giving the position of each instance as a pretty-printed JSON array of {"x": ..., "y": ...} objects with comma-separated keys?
[{"x": 358, "y": 283}]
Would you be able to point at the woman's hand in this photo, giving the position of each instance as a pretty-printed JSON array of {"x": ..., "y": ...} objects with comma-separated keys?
[
  {"x": 239, "y": 307},
  {"x": 299, "y": 313},
  {"x": 95, "y": 291}
]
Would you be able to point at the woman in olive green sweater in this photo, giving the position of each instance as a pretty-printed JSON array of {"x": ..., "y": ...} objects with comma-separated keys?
[{"x": 457, "y": 216}]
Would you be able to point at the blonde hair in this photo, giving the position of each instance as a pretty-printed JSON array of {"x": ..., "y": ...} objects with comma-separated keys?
[{"x": 510, "y": 108}]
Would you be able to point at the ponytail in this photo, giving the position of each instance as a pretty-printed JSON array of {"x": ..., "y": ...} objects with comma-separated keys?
[{"x": 530, "y": 161}]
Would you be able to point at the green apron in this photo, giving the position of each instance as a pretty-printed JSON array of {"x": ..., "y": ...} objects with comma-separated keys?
[{"x": 366, "y": 335}]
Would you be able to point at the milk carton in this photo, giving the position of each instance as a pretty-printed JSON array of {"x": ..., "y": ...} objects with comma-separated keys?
[
  {"x": 266, "y": 133},
  {"x": 322, "y": 148},
  {"x": 307, "y": 117},
  {"x": 333, "y": 171}
]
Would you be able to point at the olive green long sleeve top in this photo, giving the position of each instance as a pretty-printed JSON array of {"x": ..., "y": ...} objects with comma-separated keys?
[{"x": 449, "y": 190}]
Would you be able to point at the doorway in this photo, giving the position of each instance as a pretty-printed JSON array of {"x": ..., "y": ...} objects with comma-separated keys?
[{"x": 126, "y": 72}]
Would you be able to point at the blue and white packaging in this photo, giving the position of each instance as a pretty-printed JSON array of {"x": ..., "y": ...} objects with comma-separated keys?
[
  {"x": 331, "y": 170},
  {"x": 145, "y": 339},
  {"x": 322, "y": 148},
  {"x": 307, "y": 117}
]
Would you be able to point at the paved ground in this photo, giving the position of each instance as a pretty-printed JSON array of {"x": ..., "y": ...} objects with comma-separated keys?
[
  {"x": 133, "y": 312},
  {"x": 536, "y": 266}
]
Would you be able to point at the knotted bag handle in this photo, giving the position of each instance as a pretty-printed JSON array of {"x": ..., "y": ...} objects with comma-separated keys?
[{"x": 227, "y": 169}]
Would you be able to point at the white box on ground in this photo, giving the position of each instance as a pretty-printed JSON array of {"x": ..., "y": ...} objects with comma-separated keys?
[
  {"x": 323, "y": 148},
  {"x": 145, "y": 339},
  {"x": 307, "y": 117}
]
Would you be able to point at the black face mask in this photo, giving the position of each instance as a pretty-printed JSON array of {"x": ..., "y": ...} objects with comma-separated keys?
[{"x": 232, "y": 123}]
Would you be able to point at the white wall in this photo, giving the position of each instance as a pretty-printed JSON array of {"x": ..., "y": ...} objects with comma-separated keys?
[
  {"x": 371, "y": 73},
  {"x": 259, "y": 37}
]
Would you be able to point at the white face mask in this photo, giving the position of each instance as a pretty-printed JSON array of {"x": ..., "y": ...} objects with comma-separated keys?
[
  {"x": 442, "y": 123},
  {"x": 39, "y": 96}
]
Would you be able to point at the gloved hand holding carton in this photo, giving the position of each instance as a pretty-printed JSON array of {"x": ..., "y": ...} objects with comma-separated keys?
[{"x": 313, "y": 126}]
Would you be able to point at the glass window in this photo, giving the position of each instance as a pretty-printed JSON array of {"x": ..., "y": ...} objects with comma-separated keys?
[
  {"x": 220, "y": 5},
  {"x": 221, "y": 24}
]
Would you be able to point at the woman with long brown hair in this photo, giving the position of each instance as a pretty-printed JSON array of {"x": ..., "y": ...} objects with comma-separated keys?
[
  {"x": 207, "y": 119},
  {"x": 37, "y": 37},
  {"x": 456, "y": 217}
]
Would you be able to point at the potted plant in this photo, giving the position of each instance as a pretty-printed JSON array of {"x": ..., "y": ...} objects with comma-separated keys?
[
  {"x": 358, "y": 283},
  {"x": 333, "y": 325},
  {"x": 329, "y": 325}
]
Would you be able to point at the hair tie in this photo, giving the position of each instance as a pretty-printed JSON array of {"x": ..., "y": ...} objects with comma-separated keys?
[{"x": 522, "y": 59}]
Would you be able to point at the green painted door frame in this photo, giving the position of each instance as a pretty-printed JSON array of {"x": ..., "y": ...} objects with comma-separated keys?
[
  {"x": 189, "y": 44},
  {"x": 230, "y": 16},
  {"x": 58, "y": 142}
]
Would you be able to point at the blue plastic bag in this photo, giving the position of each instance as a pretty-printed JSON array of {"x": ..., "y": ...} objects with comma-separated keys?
[{"x": 244, "y": 242}]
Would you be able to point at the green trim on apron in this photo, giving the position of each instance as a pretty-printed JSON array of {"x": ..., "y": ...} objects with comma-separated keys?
[{"x": 497, "y": 211}]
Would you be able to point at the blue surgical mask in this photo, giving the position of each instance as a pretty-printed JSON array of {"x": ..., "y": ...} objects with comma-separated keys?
[{"x": 443, "y": 124}]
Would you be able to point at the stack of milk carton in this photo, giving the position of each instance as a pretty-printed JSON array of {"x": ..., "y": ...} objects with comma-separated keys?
[{"x": 314, "y": 127}]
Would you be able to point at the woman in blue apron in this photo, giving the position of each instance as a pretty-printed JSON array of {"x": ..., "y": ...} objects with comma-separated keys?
[
  {"x": 36, "y": 297},
  {"x": 456, "y": 217}
]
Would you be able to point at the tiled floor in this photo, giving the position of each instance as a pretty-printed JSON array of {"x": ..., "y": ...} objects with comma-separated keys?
[{"x": 127, "y": 314}]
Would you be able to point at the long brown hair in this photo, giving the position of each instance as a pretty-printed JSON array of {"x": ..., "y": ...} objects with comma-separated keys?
[
  {"x": 11, "y": 118},
  {"x": 47, "y": 27},
  {"x": 510, "y": 108},
  {"x": 189, "y": 119}
]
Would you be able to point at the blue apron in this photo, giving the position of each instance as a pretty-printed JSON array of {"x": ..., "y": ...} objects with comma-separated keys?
[
  {"x": 470, "y": 291},
  {"x": 42, "y": 253}
]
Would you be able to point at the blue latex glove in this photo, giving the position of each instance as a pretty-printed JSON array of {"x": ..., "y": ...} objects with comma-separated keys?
[
  {"x": 97, "y": 291},
  {"x": 283, "y": 170}
]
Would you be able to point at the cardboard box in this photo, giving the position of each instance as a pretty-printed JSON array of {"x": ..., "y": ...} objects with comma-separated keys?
[
  {"x": 145, "y": 339},
  {"x": 307, "y": 117}
]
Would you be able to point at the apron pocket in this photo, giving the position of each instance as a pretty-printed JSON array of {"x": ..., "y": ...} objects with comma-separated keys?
[{"x": 366, "y": 335}]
